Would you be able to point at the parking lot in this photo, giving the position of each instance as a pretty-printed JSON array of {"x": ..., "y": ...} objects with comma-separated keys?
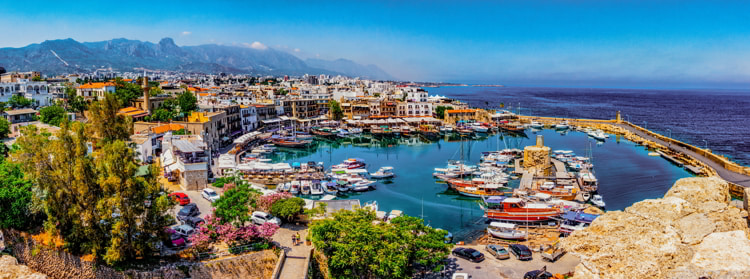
[
  {"x": 195, "y": 197},
  {"x": 510, "y": 268}
]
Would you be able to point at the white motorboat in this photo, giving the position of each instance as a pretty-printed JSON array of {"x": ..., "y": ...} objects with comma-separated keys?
[
  {"x": 598, "y": 201},
  {"x": 562, "y": 125},
  {"x": 505, "y": 231},
  {"x": 362, "y": 186},
  {"x": 316, "y": 189},
  {"x": 599, "y": 135},
  {"x": 384, "y": 172},
  {"x": 394, "y": 213},
  {"x": 536, "y": 125},
  {"x": 305, "y": 187},
  {"x": 330, "y": 187},
  {"x": 446, "y": 129},
  {"x": 294, "y": 189}
]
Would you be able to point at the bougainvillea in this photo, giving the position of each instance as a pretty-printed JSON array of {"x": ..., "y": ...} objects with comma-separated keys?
[
  {"x": 212, "y": 231},
  {"x": 264, "y": 202}
]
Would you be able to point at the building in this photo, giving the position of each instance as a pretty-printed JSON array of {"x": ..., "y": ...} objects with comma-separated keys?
[
  {"x": 154, "y": 103},
  {"x": 96, "y": 90},
  {"x": 211, "y": 126},
  {"x": 185, "y": 160},
  {"x": 233, "y": 117},
  {"x": 413, "y": 109},
  {"x": 418, "y": 95},
  {"x": 19, "y": 118},
  {"x": 301, "y": 108},
  {"x": 37, "y": 91},
  {"x": 16, "y": 76},
  {"x": 265, "y": 111},
  {"x": 249, "y": 118}
]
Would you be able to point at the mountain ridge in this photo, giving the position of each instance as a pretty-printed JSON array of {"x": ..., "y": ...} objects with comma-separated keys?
[{"x": 121, "y": 54}]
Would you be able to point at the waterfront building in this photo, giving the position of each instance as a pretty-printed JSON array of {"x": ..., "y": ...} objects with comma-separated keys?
[
  {"x": 185, "y": 159},
  {"x": 249, "y": 116}
]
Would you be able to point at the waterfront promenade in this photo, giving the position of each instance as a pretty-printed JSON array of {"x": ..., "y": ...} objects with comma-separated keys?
[{"x": 730, "y": 176}]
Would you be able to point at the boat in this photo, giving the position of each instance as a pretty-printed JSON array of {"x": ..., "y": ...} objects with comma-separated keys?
[
  {"x": 446, "y": 129},
  {"x": 342, "y": 186},
  {"x": 598, "y": 201},
  {"x": 566, "y": 192},
  {"x": 322, "y": 132},
  {"x": 352, "y": 163},
  {"x": 281, "y": 142},
  {"x": 294, "y": 187},
  {"x": 316, "y": 188},
  {"x": 283, "y": 187},
  {"x": 513, "y": 127},
  {"x": 465, "y": 131},
  {"x": 481, "y": 190},
  {"x": 362, "y": 186},
  {"x": 536, "y": 125},
  {"x": 598, "y": 135},
  {"x": 588, "y": 181},
  {"x": 305, "y": 187},
  {"x": 505, "y": 231},
  {"x": 574, "y": 220},
  {"x": 330, "y": 187},
  {"x": 395, "y": 213},
  {"x": 517, "y": 210},
  {"x": 384, "y": 172},
  {"x": 479, "y": 128},
  {"x": 562, "y": 125}
]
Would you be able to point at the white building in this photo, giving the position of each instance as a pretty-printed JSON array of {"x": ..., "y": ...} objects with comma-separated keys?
[
  {"x": 36, "y": 91},
  {"x": 249, "y": 118},
  {"x": 95, "y": 90}
]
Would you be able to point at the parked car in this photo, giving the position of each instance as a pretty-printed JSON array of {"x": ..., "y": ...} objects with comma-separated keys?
[
  {"x": 460, "y": 276},
  {"x": 498, "y": 251},
  {"x": 175, "y": 239},
  {"x": 520, "y": 251},
  {"x": 210, "y": 195},
  {"x": 181, "y": 198},
  {"x": 469, "y": 254},
  {"x": 193, "y": 221},
  {"x": 184, "y": 230},
  {"x": 538, "y": 274},
  {"x": 260, "y": 218},
  {"x": 188, "y": 210}
]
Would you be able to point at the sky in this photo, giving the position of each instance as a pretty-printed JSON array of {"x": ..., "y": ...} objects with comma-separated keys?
[{"x": 660, "y": 44}]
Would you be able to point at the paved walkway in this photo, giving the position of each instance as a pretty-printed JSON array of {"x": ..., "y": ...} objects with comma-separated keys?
[
  {"x": 726, "y": 174},
  {"x": 297, "y": 256}
]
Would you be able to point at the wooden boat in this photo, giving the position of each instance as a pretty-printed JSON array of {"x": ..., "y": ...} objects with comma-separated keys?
[
  {"x": 564, "y": 193},
  {"x": 514, "y": 127},
  {"x": 518, "y": 210},
  {"x": 290, "y": 143},
  {"x": 505, "y": 231},
  {"x": 330, "y": 188},
  {"x": 573, "y": 221},
  {"x": 482, "y": 190},
  {"x": 322, "y": 133}
]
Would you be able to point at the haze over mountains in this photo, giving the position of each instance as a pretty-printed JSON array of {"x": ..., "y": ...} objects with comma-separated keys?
[{"x": 68, "y": 56}]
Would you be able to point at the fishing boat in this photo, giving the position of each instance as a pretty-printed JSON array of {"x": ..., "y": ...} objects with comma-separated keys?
[
  {"x": 465, "y": 131},
  {"x": 384, "y": 172},
  {"x": 515, "y": 209},
  {"x": 429, "y": 132},
  {"x": 342, "y": 186},
  {"x": 446, "y": 129},
  {"x": 505, "y": 231},
  {"x": 588, "y": 181},
  {"x": 536, "y": 125},
  {"x": 598, "y": 201},
  {"x": 322, "y": 132},
  {"x": 330, "y": 187},
  {"x": 406, "y": 130},
  {"x": 290, "y": 143},
  {"x": 481, "y": 190},
  {"x": 305, "y": 187},
  {"x": 567, "y": 192},
  {"x": 479, "y": 128},
  {"x": 362, "y": 186},
  {"x": 443, "y": 173},
  {"x": 573, "y": 221},
  {"x": 513, "y": 127},
  {"x": 294, "y": 187}
]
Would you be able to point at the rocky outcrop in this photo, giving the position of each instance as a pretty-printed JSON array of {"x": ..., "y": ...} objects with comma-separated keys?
[
  {"x": 691, "y": 232},
  {"x": 10, "y": 269}
]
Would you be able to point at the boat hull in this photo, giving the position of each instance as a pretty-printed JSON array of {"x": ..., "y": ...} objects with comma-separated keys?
[
  {"x": 521, "y": 216},
  {"x": 514, "y": 235}
]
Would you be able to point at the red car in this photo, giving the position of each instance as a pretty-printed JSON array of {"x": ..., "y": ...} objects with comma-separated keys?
[{"x": 180, "y": 197}]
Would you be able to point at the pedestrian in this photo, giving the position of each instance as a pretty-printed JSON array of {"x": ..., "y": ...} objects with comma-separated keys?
[
  {"x": 294, "y": 240},
  {"x": 298, "y": 237}
]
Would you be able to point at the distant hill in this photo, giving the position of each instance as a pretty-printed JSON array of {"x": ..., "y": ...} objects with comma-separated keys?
[
  {"x": 348, "y": 66},
  {"x": 68, "y": 56}
]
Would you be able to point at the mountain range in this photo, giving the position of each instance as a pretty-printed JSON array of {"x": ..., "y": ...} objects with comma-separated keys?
[{"x": 70, "y": 56}]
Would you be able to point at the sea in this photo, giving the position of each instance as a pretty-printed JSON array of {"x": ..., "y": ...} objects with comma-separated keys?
[{"x": 626, "y": 173}]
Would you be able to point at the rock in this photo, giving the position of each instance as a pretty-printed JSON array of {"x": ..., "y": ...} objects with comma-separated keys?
[
  {"x": 10, "y": 269},
  {"x": 723, "y": 251},
  {"x": 697, "y": 190},
  {"x": 690, "y": 232}
]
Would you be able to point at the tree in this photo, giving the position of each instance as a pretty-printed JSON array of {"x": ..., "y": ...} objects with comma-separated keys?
[
  {"x": 355, "y": 247},
  {"x": 52, "y": 115},
  {"x": 18, "y": 101},
  {"x": 336, "y": 110},
  {"x": 4, "y": 128},
  {"x": 162, "y": 115},
  {"x": 15, "y": 198},
  {"x": 126, "y": 92},
  {"x": 440, "y": 111},
  {"x": 77, "y": 104},
  {"x": 154, "y": 91},
  {"x": 187, "y": 102},
  {"x": 288, "y": 208},
  {"x": 107, "y": 124},
  {"x": 235, "y": 204},
  {"x": 37, "y": 78}
]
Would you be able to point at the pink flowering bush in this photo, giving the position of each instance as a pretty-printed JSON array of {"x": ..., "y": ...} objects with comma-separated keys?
[
  {"x": 264, "y": 202},
  {"x": 213, "y": 231}
]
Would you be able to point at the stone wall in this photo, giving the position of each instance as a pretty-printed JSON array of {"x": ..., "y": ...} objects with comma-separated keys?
[
  {"x": 691, "y": 232},
  {"x": 9, "y": 268},
  {"x": 256, "y": 265}
]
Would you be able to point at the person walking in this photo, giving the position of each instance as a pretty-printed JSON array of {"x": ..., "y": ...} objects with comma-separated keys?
[
  {"x": 294, "y": 240},
  {"x": 298, "y": 238}
]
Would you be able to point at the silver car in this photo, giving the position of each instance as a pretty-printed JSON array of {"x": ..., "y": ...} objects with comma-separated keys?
[
  {"x": 260, "y": 218},
  {"x": 210, "y": 195}
]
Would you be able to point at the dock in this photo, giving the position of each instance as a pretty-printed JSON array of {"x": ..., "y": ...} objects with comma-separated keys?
[
  {"x": 670, "y": 158},
  {"x": 693, "y": 169},
  {"x": 526, "y": 181},
  {"x": 518, "y": 168},
  {"x": 559, "y": 166}
]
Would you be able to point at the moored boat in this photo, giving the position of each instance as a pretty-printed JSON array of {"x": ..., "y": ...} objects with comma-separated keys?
[
  {"x": 516, "y": 209},
  {"x": 573, "y": 221},
  {"x": 505, "y": 231},
  {"x": 384, "y": 172},
  {"x": 598, "y": 201}
]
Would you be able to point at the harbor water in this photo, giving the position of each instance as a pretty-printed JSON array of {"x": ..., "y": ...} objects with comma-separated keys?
[{"x": 625, "y": 171}]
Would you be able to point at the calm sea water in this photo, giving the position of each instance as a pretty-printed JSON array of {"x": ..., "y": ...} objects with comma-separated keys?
[
  {"x": 625, "y": 171},
  {"x": 720, "y": 117}
]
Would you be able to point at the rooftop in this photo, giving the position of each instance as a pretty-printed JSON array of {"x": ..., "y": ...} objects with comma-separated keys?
[
  {"x": 96, "y": 85},
  {"x": 20, "y": 111}
]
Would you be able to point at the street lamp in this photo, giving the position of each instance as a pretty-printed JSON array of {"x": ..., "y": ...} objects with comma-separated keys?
[
  {"x": 628, "y": 116},
  {"x": 645, "y": 125},
  {"x": 705, "y": 144},
  {"x": 670, "y": 132}
]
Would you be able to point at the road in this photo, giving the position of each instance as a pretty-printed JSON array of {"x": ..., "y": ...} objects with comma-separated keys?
[{"x": 726, "y": 174}]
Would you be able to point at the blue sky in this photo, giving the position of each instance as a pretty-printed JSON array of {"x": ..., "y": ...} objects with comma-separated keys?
[{"x": 564, "y": 43}]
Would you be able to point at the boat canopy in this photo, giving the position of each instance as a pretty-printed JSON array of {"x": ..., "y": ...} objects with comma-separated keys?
[
  {"x": 513, "y": 200},
  {"x": 542, "y": 196},
  {"x": 579, "y": 216},
  {"x": 357, "y": 171},
  {"x": 495, "y": 199},
  {"x": 386, "y": 168},
  {"x": 502, "y": 225}
]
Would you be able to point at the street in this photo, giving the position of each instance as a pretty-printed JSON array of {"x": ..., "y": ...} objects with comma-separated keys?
[{"x": 512, "y": 268}]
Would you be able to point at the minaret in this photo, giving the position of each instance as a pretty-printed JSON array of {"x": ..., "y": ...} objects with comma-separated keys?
[{"x": 146, "y": 103}]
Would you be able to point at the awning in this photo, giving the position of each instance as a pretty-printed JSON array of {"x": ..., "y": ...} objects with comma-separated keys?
[
  {"x": 171, "y": 168},
  {"x": 271, "y": 121}
]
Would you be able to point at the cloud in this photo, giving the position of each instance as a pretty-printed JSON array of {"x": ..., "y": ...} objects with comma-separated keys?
[
  {"x": 256, "y": 45},
  {"x": 185, "y": 33},
  {"x": 297, "y": 50}
]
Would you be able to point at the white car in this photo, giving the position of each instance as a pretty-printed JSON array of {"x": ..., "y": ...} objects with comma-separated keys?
[
  {"x": 260, "y": 218},
  {"x": 210, "y": 195}
]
